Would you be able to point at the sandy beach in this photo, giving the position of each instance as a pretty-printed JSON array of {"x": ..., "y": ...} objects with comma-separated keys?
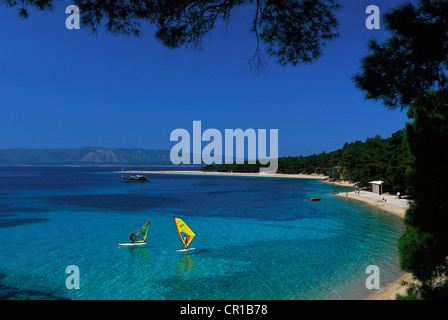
[
  {"x": 386, "y": 202},
  {"x": 237, "y": 174},
  {"x": 390, "y": 291},
  {"x": 395, "y": 206}
]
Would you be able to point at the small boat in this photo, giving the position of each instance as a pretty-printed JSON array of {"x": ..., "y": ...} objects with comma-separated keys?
[
  {"x": 138, "y": 177},
  {"x": 314, "y": 199},
  {"x": 185, "y": 233},
  {"x": 140, "y": 238}
]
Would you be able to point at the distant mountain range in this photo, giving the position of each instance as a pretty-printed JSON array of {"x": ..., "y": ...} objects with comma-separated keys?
[{"x": 84, "y": 156}]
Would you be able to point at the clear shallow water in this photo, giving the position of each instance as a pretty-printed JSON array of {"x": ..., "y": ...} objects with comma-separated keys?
[{"x": 256, "y": 238}]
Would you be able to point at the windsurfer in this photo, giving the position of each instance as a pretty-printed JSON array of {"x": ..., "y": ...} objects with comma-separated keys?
[
  {"x": 132, "y": 236},
  {"x": 186, "y": 235}
]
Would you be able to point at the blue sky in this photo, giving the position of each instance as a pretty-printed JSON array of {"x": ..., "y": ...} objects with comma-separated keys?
[{"x": 64, "y": 88}]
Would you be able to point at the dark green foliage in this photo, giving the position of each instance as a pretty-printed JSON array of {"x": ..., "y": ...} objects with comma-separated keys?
[
  {"x": 424, "y": 245},
  {"x": 374, "y": 159},
  {"x": 185, "y": 23},
  {"x": 411, "y": 69},
  {"x": 413, "y": 61},
  {"x": 294, "y": 31}
]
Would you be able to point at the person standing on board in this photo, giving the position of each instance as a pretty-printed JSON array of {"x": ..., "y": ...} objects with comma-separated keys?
[
  {"x": 186, "y": 240},
  {"x": 132, "y": 236}
]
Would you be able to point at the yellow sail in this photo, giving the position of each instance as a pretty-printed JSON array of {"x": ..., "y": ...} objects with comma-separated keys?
[{"x": 185, "y": 233}]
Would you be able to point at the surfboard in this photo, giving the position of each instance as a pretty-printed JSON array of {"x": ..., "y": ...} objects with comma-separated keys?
[
  {"x": 185, "y": 250},
  {"x": 132, "y": 244}
]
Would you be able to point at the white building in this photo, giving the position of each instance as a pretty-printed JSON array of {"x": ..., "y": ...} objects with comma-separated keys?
[{"x": 376, "y": 187}]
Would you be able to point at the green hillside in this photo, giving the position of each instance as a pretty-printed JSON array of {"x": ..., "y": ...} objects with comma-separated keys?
[{"x": 361, "y": 162}]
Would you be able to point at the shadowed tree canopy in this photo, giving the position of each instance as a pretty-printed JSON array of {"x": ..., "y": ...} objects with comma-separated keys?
[
  {"x": 413, "y": 61},
  {"x": 293, "y": 31},
  {"x": 410, "y": 70}
]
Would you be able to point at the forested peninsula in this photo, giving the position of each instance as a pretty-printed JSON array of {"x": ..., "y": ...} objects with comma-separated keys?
[{"x": 374, "y": 159}]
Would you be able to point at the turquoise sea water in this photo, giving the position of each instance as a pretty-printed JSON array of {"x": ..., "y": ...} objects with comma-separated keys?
[{"x": 256, "y": 238}]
